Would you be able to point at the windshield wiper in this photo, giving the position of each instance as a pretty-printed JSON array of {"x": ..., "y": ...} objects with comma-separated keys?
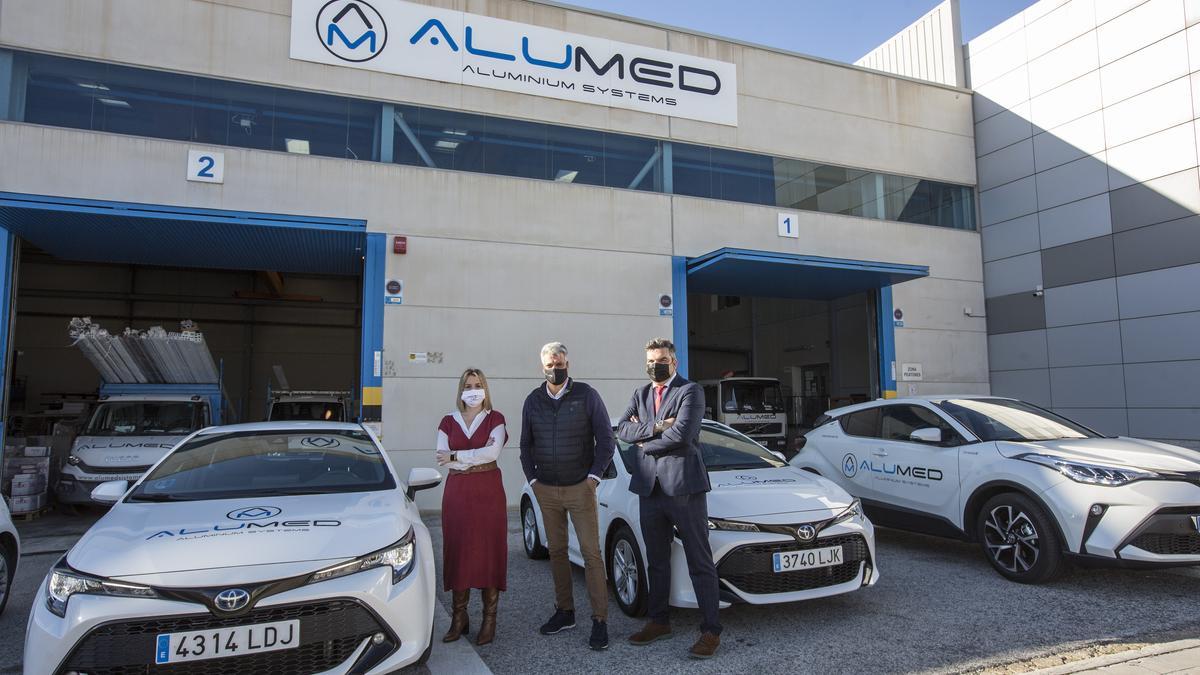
[
  {"x": 736, "y": 467},
  {"x": 158, "y": 498}
]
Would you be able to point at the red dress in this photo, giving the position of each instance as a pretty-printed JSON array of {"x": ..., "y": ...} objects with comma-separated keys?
[{"x": 474, "y": 516}]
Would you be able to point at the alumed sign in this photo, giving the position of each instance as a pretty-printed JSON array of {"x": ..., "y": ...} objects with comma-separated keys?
[{"x": 404, "y": 38}]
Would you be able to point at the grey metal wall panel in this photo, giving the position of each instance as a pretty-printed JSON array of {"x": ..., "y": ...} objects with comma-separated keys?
[
  {"x": 1002, "y": 130},
  {"x": 1017, "y": 312},
  {"x": 1168, "y": 291},
  {"x": 1108, "y": 421},
  {"x": 1174, "y": 337},
  {"x": 1086, "y": 260},
  {"x": 1006, "y": 165},
  {"x": 1156, "y": 201},
  {"x": 1014, "y": 237},
  {"x": 1181, "y": 423},
  {"x": 1017, "y": 351},
  {"x": 1071, "y": 182},
  {"x": 1158, "y": 246},
  {"x": 1089, "y": 302},
  {"x": 1027, "y": 385},
  {"x": 1088, "y": 387},
  {"x": 1163, "y": 385},
  {"x": 1006, "y": 202},
  {"x": 1076, "y": 221},
  {"x": 1092, "y": 344},
  {"x": 1012, "y": 275}
]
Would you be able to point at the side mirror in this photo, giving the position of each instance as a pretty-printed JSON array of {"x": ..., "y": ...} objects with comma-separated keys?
[
  {"x": 730, "y": 407},
  {"x": 778, "y": 455},
  {"x": 422, "y": 479},
  {"x": 110, "y": 492},
  {"x": 927, "y": 435}
]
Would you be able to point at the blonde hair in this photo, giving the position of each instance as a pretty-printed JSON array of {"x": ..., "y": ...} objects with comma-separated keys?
[{"x": 462, "y": 386}]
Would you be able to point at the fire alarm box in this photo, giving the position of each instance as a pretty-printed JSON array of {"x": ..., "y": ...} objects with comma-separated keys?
[{"x": 399, "y": 245}]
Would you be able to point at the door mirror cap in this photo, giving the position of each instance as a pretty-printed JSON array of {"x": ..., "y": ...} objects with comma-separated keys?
[
  {"x": 110, "y": 492},
  {"x": 927, "y": 435},
  {"x": 422, "y": 479}
]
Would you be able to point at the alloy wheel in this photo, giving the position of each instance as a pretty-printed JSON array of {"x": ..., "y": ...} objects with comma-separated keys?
[
  {"x": 529, "y": 529},
  {"x": 625, "y": 572},
  {"x": 1011, "y": 539}
]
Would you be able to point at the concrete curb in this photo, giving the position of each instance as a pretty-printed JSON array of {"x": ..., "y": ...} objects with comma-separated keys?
[{"x": 1122, "y": 657}]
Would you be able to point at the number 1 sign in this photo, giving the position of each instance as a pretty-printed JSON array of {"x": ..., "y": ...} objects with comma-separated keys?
[
  {"x": 788, "y": 226},
  {"x": 206, "y": 167}
]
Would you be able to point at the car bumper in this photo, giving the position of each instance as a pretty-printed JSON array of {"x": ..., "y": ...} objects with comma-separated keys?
[
  {"x": 340, "y": 617},
  {"x": 1151, "y": 522},
  {"x": 746, "y": 575}
]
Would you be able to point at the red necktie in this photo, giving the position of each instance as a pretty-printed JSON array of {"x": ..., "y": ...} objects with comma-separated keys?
[{"x": 658, "y": 394}]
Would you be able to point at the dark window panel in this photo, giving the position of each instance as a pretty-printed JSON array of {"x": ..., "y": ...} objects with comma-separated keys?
[
  {"x": 145, "y": 103},
  {"x": 626, "y": 156},
  {"x": 61, "y": 92},
  {"x": 576, "y": 155},
  {"x": 515, "y": 148}
]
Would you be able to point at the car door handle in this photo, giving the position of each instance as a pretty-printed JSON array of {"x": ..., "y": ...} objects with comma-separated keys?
[
  {"x": 879, "y": 452},
  {"x": 970, "y": 452}
]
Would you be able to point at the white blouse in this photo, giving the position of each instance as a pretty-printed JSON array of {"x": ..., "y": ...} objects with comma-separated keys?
[{"x": 465, "y": 459}]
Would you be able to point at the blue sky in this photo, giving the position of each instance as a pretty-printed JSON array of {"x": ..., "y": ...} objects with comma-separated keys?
[{"x": 842, "y": 30}]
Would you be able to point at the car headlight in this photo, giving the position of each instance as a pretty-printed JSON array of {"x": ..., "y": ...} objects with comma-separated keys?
[
  {"x": 65, "y": 582},
  {"x": 73, "y": 460},
  {"x": 398, "y": 556},
  {"x": 1091, "y": 474},
  {"x": 731, "y": 525},
  {"x": 853, "y": 511}
]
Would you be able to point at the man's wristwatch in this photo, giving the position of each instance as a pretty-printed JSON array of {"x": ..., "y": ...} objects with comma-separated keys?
[{"x": 658, "y": 426}]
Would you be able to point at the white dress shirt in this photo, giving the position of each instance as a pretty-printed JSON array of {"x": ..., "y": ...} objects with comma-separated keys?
[{"x": 465, "y": 459}]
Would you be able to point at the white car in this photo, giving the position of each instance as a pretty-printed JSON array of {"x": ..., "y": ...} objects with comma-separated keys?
[
  {"x": 1034, "y": 488},
  {"x": 279, "y": 546},
  {"x": 10, "y": 553},
  {"x": 778, "y": 534}
]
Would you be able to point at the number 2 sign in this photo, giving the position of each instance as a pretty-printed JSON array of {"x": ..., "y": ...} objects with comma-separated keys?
[{"x": 206, "y": 167}]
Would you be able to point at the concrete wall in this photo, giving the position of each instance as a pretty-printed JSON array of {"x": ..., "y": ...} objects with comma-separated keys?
[
  {"x": 1086, "y": 132},
  {"x": 497, "y": 266},
  {"x": 929, "y": 49}
]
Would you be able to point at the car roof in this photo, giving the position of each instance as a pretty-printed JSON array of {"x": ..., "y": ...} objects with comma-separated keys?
[
  {"x": 282, "y": 425},
  {"x": 927, "y": 398}
]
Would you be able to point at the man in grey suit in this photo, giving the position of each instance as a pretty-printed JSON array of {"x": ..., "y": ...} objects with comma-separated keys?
[{"x": 670, "y": 478}]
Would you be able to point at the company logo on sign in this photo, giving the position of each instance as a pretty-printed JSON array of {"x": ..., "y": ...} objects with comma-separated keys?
[
  {"x": 253, "y": 513},
  {"x": 231, "y": 600},
  {"x": 351, "y": 30},
  {"x": 469, "y": 49},
  {"x": 850, "y": 465}
]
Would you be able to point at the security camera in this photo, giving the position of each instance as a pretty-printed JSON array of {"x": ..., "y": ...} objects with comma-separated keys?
[{"x": 1038, "y": 292}]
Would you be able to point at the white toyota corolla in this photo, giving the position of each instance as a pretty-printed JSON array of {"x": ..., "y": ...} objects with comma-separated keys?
[
  {"x": 274, "y": 547},
  {"x": 1034, "y": 488},
  {"x": 778, "y": 534}
]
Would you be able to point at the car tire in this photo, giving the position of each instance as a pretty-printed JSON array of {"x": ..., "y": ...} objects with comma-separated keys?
[
  {"x": 534, "y": 548},
  {"x": 627, "y": 573},
  {"x": 8, "y": 569},
  {"x": 1020, "y": 539}
]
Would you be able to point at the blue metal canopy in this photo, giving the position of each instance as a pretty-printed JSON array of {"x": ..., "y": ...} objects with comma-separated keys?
[
  {"x": 731, "y": 271},
  {"x": 172, "y": 236}
]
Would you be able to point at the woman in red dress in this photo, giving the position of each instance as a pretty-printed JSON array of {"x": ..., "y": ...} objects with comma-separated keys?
[{"x": 474, "y": 508}]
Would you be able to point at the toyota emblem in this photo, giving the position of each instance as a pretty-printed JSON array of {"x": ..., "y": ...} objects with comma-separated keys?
[
  {"x": 806, "y": 533},
  {"x": 232, "y": 599}
]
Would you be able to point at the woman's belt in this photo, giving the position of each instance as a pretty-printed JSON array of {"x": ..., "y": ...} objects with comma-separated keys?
[{"x": 478, "y": 468}]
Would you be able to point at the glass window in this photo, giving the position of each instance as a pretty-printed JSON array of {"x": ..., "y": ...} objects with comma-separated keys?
[
  {"x": 267, "y": 463},
  {"x": 136, "y": 418},
  {"x": 898, "y": 422},
  {"x": 721, "y": 449},
  {"x": 750, "y": 396},
  {"x": 863, "y": 423},
  {"x": 515, "y": 148},
  {"x": 320, "y": 411},
  {"x": 310, "y": 124},
  {"x": 626, "y": 159},
  {"x": 61, "y": 92},
  {"x": 691, "y": 170},
  {"x": 229, "y": 113},
  {"x": 145, "y": 103},
  {"x": 995, "y": 419},
  {"x": 450, "y": 140},
  {"x": 576, "y": 155}
]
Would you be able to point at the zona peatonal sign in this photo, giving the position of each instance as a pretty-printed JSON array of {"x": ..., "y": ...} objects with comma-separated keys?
[{"x": 404, "y": 38}]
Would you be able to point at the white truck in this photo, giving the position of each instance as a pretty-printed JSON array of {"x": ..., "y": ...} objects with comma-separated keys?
[
  {"x": 316, "y": 406},
  {"x": 752, "y": 405}
]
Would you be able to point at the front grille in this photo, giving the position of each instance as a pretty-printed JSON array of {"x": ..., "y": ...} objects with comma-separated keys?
[
  {"x": 750, "y": 567},
  {"x": 112, "y": 470},
  {"x": 1169, "y": 544},
  {"x": 751, "y": 429},
  {"x": 330, "y": 631}
]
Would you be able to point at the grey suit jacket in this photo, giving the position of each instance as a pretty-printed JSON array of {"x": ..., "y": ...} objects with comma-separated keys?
[{"x": 672, "y": 458}]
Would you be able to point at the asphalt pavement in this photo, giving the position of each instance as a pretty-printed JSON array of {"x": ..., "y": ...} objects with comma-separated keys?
[{"x": 938, "y": 608}]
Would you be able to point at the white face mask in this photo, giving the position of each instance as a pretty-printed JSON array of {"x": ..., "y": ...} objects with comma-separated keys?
[{"x": 473, "y": 397}]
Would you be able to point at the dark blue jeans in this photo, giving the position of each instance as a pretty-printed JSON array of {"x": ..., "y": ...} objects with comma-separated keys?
[{"x": 661, "y": 516}]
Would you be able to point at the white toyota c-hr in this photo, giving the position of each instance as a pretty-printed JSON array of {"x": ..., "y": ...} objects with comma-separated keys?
[
  {"x": 778, "y": 534},
  {"x": 274, "y": 547},
  {"x": 1034, "y": 488}
]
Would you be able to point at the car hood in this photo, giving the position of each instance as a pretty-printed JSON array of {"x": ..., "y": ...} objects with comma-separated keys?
[
  {"x": 1131, "y": 452},
  {"x": 122, "y": 451},
  {"x": 744, "y": 493},
  {"x": 156, "y": 538}
]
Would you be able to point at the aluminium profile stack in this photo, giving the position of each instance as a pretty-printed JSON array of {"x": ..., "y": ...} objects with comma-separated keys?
[{"x": 152, "y": 356}]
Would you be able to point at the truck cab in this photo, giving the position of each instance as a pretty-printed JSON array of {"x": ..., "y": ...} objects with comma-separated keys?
[
  {"x": 752, "y": 405},
  {"x": 130, "y": 429},
  {"x": 314, "y": 406}
]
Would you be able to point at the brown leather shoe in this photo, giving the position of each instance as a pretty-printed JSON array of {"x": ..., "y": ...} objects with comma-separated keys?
[
  {"x": 487, "y": 629},
  {"x": 706, "y": 646},
  {"x": 651, "y": 632},
  {"x": 460, "y": 623}
]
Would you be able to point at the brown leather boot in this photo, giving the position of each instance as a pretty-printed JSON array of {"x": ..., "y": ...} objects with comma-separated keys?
[
  {"x": 650, "y": 632},
  {"x": 487, "y": 629},
  {"x": 460, "y": 622},
  {"x": 706, "y": 646}
]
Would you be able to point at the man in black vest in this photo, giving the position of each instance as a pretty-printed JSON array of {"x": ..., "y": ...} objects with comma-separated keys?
[{"x": 566, "y": 446}]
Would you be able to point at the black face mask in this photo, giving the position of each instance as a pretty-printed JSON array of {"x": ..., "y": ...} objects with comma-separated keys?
[
  {"x": 659, "y": 372},
  {"x": 555, "y": 376}
]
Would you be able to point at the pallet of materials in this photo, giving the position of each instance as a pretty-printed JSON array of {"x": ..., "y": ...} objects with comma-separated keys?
[{"x": 151, "y": 356}]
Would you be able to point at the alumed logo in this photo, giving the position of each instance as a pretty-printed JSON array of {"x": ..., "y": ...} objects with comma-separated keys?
[
  {"x": 320, "y": 442},
  {"x": 806, "y": 533},
  {"x": 850, "y": 465},
  {"x": 351, "y": 30},
  {"x": 253, "y": 513},
  {"x": 231, "y": 600}
]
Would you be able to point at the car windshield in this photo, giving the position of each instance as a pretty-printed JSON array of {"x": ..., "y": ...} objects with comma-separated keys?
[
  {"x": 750, "y": 396},
  {"x": 313, "y": 411},
  {"x": 267, "y": 463},
  {"x": 145, "y": 418},
  {"x": 996, "y": 419},
  {"x": 722, "y": 450}
]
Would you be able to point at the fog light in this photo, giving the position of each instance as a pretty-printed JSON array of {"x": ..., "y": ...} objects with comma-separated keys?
[
  {"x": 1097, "y": 510},
  {"x": 378, "y": 638}
]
